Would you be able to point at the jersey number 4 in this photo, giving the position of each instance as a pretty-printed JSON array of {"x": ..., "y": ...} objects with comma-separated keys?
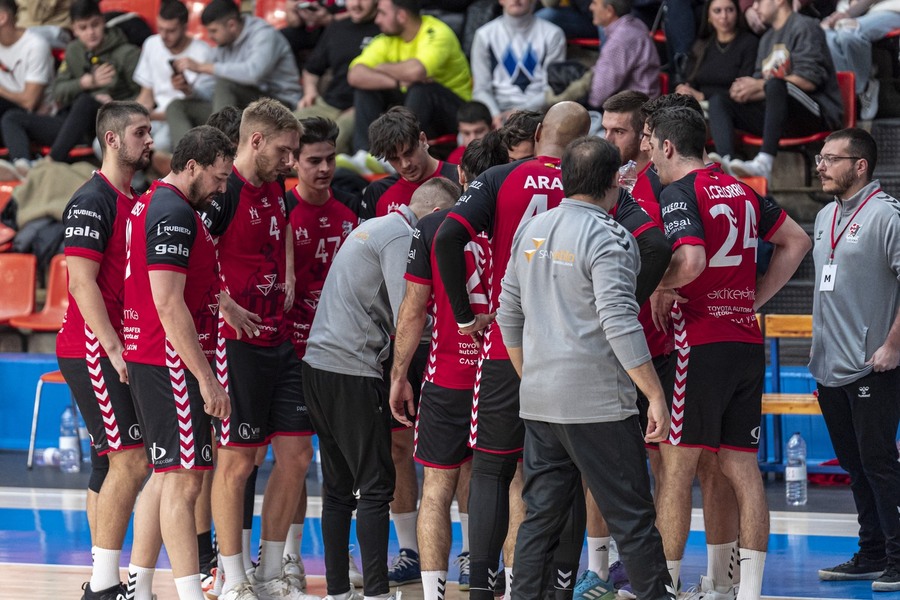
[
  {"x": 536, "y": 206},
  {"x": 723, "y": 257},
  {"x": 322, "y": 251}
]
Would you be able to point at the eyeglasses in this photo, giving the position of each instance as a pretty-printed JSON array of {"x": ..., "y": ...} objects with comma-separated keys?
[{"x": 829, "y": 160}]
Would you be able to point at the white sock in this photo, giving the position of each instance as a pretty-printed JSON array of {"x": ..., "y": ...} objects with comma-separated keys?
[
  {"x": 106, "y": 569},
  {"x": 613, "y": 551},
  {"x": 247, "y": 562},
  {"x": 674, "y": 567},
  {"x": 434, "y": 584},
  {"x": 735, "y": 563},
  {"x": 509, "y": 579},
  {"x": 598, "y": 556},
  {"x": 269, "y": 560},
  {"x": 765, "y": 159},
  {"x": 753, "y": 563},
  {"x": 140, "y": 582},
  {"x": 189, "y": 588},
  {"x": 294, "y": 537},
  {"x": 405, "y": 524},
  {"x": 718, "y": 558},
  {"x": 234, "y": 570},
  {"x": 464, "y": 525}
]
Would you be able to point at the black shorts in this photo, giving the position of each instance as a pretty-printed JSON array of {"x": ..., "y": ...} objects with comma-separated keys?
[
  {"x": 177, "y": 432},
  {"x": 496, "y": 426},
  {"x": 414, "y": 375},
  {"x": 442, "y": 427},
  {"x": 105, "y": 403},
  {"x": 266, "y": 388},
  {"x": 664, "y": 364},
  {"x": 717, "y": 396}
]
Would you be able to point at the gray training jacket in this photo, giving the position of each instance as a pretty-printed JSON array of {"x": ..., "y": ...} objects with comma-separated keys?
[
  {"x": 568, "y": 302},
  {"x": 851, "y": 322},
  {"x": 357, "y": 312}
]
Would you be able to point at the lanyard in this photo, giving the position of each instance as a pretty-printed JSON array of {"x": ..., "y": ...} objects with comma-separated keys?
[{"x": 835, "y": 240}]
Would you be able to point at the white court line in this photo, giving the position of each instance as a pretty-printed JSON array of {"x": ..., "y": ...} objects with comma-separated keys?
[{"x": 788, "y": 523}]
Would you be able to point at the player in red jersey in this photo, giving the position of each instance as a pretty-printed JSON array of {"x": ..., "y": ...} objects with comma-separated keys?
[
  {"x": 397, "y": 137},
  {"x": 442, "y": 419},
  {"x": 261, "y": 372},
  {"x": 171, "y": 283},
  {"x": 496, "y": 203},
  {"x": 713, "y": 222},
  {"x": 320, "y": 223},
  {"x": 89, "y": 345}
]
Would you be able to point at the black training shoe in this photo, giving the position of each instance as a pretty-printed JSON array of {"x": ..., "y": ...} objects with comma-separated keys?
[
  {"x": 857, "y": 568},
  {"x": 889, "y": 580},
  {"x": 107, "y": 594}
]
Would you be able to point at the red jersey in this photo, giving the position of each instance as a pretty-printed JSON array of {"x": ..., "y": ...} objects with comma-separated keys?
[
  {"x": 319, "y": 232},
  {"x": 385, "y": 195},
  {"x": 95, "y": 220},
  {"x": 165, "y": 233},
  {"x": 452, "y": 357},
  {"x": 724, "y": 215},
  {"x": 496, "y": 203},
  {"x": 646, "y": 192},
  {"x": 253, "y": 257}
]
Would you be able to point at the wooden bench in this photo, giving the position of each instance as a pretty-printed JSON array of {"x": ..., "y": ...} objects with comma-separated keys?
[{"x": 776, "y": 328}]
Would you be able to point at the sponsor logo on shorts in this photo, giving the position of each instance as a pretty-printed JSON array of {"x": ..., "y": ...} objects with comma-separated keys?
[
  {"x": 754, "y": 433},
  {"x": 246, "y": 432},
  {"x": 206, "y": 453},
  {"x": 157, "y": 453},
  {"x": 864, "y": 391},
  {"x": 135, "y": 432}
]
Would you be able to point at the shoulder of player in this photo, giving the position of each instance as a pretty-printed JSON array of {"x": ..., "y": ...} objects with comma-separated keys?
[
  {"x": 430, "y": 223},
  {"x": 166, "y": 203},
  {"x": 95, "y": 192},
  {"x": 380, "y": 186},
  {"x": 448, "y": 170}
]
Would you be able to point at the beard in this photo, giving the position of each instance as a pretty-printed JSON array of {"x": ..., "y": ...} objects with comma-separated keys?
[
  {"x": 839, "y": 185},
  {"x": 266, "y": 168},
  {"x": 197, "y": 198},
  {"x": 137, "y": 161}
]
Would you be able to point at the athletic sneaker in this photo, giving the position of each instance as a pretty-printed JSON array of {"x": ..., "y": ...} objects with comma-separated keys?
[
  {"x": 280, "y": 588},
  {"x": 618, "y": 577},
  {"x": 707, "y": 591},
  {"x": 589, "y": 586},
  {"x": 889, "y": 580},
  {"x": 356, "y": 576},
  {"x": 107, "y": 594},
  {"x": 857, "y": 568},
  {"x": 292, "y": 570},
  {"x": 405, "y": 568},
  {"x": 212, "y": 589},
  {"x": 354, "y": 595},
  {"x": 242, "y": 591},
  {"x": 500, "y": 584},
  {"x": 463, "y": 561}
]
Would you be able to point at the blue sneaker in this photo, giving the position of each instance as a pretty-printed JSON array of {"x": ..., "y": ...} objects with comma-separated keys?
[
  {"x": 589, "y": 586},
  {"x": 405, "y": 568},
  {"x": 619, "y": 579},
  {"x": 463, "y": 561}
]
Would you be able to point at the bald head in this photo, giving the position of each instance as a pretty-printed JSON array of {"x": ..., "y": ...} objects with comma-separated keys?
[
  {"x": 563, "y": 122},
  {"x": 437, "y": 193}
]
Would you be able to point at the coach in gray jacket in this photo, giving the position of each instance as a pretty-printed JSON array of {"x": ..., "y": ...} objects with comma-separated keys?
[{"x": 569, "y": 320}]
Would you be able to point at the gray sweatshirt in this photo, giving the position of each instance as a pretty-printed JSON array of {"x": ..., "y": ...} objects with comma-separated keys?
[
  {"x": 851, "y": 322},
  {"x": 260, "y": 57},
  {"x": 568, "y": 301},
  {"x": 357, "y": 312}
]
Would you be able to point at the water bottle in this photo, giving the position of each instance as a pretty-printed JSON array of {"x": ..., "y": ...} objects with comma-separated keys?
[
  {"x": 628, "y": 175},
  {"x": 84, "y": 440},
  {"x": 69, "y": 459},
  {"x": 795, "y": 471},
  {"x": 46, "y": 457}
]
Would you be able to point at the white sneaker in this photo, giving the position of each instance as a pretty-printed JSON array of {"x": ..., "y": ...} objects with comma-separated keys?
[
  {"x": 749, "y": 168},
  {"x": 280, "y": 589},
  {"x": 707, "y": 591},
  {"x": 868, "y": 100},
  {"x": 242, "y": 591},
  {"x": 351, "y": 595},
  {"x": 292, "y": 570},
  {"x": 356, "y": 576},
  {"x": 212, "y": 589}
]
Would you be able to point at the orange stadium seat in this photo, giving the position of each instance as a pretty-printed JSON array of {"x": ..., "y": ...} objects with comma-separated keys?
[
  {"x": 195, "y": 27},
  {"x": 50, "y": 317},
  {"x": 272, "y": 11},
  {"x": 148, "y": 9}
]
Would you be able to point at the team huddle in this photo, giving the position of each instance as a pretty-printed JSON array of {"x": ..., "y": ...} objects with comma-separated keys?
[{"x": 467, "y": 326}]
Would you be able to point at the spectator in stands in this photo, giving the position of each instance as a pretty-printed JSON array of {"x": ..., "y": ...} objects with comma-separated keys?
[
  {"x": 47, "y": 18},
  {"x": 249, "y": 62},
  {"x": 341, "y": 42},
  {"x": 160, "y": 84},
  {"x": 574, "y": 18},
  {"x": 306, "y": 22},
  {"x": 509, "y": 59},
  {"x": 680, "y": 27},
  {"x": 416, "y": 62},
  {"x": 850, "y": 34},
  {"x": 629, "y": 60},
  {"x": 724, "y": 51},
  {"x": 473, "y": 122},
  {"x": 793, "y": 91},
  {"x": 98, "y": 67},
  {"x": 518, "y": 133}
]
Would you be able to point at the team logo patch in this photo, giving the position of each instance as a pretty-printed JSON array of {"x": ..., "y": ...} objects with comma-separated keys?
[
  {"x": 135, "y": 431},
  {"x": 206, "y": 453},
  {"x": 864, "y": 392},
  {"x": 853, "y": 233}
]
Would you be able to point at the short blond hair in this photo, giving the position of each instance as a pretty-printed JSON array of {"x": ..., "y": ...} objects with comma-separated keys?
[{"x": 268, "y": 117}]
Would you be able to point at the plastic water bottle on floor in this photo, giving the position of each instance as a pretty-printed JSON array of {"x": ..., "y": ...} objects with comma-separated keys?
[
  {"x": 795, "y": 471},
  {"x": 46, "y": 457},
  {"x": 69, "y": 451}
]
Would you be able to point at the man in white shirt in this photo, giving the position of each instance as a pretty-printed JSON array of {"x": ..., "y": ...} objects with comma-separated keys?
[{"x": 159, "y": 82}]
